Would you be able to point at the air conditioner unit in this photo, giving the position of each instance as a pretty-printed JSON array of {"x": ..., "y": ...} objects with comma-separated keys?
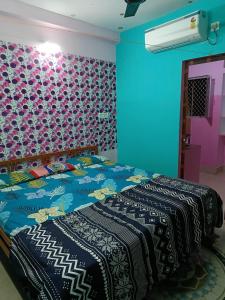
[{"x": 185, "y": 30}]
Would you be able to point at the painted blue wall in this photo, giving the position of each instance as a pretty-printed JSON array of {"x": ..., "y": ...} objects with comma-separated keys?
[{"x": 149, "y": 91}]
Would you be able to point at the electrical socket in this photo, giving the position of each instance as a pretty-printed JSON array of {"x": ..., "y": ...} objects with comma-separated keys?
[
  {"x": 103, "y": 115},
  {"x": 215, "y": 26}
]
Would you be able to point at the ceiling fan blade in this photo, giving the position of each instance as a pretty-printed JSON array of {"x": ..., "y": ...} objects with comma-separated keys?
[{"x": 131, "y": 9}]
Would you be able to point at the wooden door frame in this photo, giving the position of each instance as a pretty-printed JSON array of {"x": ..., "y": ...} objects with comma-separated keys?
[{"x": 184, "y": 102}]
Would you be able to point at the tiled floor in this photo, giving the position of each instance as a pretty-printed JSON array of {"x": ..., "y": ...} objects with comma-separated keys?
[{"x": 8, "y": 290}]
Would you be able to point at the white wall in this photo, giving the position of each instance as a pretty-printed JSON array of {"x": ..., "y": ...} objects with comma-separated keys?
[{"x": 20, "y": 31}]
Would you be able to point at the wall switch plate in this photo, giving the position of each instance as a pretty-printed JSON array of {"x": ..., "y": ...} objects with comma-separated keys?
[
  {"x": 103, "y": 115},
  {"x": 215, "y": 26}
]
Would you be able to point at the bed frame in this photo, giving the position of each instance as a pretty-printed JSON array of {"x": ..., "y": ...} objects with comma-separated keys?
[{"x": 44, "y": 158}]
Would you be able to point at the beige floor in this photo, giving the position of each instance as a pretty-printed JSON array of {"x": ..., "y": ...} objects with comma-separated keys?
[
  {"x": 8, "y": 290},
  {"x": 217, "y": 182}
]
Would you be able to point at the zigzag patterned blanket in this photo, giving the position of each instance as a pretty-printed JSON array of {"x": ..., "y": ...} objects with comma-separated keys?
[{"x": 119, "y": 248}]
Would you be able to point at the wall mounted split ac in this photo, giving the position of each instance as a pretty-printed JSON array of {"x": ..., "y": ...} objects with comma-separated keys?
[{"x": 185, "y": 30}]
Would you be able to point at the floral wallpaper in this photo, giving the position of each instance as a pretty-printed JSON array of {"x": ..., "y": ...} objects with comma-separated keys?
[{"x": 50, "y": 102}]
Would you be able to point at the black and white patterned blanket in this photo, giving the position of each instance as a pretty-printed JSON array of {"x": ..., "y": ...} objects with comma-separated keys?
[{"x": 118, "y": 248}]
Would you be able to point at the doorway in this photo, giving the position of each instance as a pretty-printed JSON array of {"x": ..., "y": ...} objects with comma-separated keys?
[{"x": 192, "y": 116}]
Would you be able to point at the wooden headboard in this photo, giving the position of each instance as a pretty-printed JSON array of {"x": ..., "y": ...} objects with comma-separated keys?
[{"x": 11, "y": 165}]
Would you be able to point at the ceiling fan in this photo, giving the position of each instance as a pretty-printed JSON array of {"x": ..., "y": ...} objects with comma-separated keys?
[{"x": 132, "y": 7}]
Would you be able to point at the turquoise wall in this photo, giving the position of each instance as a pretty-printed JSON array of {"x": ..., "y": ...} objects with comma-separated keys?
[{"x": 149, "y": 91}]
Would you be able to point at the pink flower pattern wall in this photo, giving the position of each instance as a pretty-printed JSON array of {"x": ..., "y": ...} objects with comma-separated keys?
[{"x": 51, "y": 102}]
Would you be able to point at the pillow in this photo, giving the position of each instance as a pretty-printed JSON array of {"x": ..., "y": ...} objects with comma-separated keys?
[
  {"x": 52, "y": 168},
  {"x": 38, "y": 172},
  {"x": 83, "y": 161},
  {"x": 101, "y": 157},
  {"x": 105, "y": 161},
  {"x": 15, "y": 177},
  {"x": 58, "y": 167}
]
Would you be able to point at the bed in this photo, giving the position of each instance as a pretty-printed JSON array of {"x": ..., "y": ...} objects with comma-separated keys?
[
  {"x": 103, "y": 230},
  {"x": 44, "y": 159},
  {"x": 24, "y": 203}
]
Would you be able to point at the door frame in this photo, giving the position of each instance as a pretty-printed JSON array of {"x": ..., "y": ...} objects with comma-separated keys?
[{"x": 184, "y": 102}]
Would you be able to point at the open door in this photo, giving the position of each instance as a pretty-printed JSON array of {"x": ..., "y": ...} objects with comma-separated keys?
[{"x": 186, "y": 150}]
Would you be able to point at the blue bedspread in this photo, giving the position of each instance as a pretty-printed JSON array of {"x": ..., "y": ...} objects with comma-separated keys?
[{"x": 39, "y": 200}]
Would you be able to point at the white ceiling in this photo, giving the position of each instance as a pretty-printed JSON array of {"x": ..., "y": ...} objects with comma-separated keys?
[{"x": 106, "y": 13}]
